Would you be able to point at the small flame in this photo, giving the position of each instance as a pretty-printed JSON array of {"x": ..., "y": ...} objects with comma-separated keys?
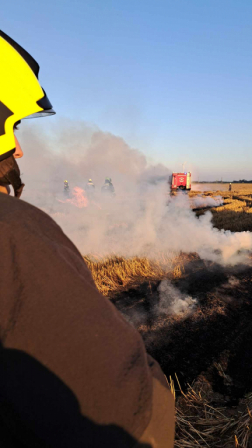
[{"x": 79, "y": 199}]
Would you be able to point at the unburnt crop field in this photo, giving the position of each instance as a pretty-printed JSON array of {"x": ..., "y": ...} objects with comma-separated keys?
[
  {"x": 236, "y": 212},
  {"x": 204, "y": 348}
]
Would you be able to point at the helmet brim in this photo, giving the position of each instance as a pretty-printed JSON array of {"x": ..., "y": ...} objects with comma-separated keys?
[{"x": 42, "y": 113}]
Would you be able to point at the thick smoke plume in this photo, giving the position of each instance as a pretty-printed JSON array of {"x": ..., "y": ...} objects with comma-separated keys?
[
  {"x": 141, "y": 219},
  {"x": 207, "y": 201}
]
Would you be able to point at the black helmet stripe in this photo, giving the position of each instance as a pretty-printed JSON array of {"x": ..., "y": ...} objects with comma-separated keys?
[{"x": 25, "y": 55}]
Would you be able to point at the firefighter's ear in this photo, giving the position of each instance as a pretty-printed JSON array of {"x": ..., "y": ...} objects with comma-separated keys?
[
  {"x": 7, "y": 141},
  {"x": 5, "y": 113}
]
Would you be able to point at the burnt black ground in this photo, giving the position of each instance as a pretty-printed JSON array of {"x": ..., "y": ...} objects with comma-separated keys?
[{"x": 218, "y": 331}]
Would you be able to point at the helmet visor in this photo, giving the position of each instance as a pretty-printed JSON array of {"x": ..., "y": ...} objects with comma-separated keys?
[{"x": 42, "y": 113}]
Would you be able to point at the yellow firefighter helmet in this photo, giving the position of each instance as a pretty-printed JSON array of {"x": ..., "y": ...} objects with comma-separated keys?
[{"x": 21, "y": 95}]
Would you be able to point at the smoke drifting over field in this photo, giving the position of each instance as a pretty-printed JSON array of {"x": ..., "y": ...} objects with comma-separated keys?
[
  {"x": 173, "y": 301},
  {"x": 140, "y": 220},
  {"x": 201, "y": 202}
]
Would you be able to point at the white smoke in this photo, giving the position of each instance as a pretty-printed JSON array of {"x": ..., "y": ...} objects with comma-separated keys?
[
  {"x": 140, "y": 219},
  {"x": 191, "y": 234},
  {"x": 206, "y": 201},
  {"x": 233, "y": 281},
  {"x": 173, "y": 301}
]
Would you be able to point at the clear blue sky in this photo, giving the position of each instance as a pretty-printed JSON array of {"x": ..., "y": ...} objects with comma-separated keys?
[{"x": 172, "y": 77}]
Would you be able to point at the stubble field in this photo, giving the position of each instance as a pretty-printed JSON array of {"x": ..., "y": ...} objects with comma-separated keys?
[{"x": 205, "y": 347}]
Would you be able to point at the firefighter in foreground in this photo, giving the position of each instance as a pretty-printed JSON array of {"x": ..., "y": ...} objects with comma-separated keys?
[
  {"x": 73, "y": 372},
  {"x": 21, "y": 96},
  {"x": 108, "y": 187}
]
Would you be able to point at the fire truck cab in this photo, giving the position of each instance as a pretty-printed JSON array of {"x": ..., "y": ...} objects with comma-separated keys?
[{"x": 181, "y": 181}]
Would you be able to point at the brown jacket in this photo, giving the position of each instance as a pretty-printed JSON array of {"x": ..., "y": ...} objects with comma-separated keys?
[{"x": 73, "y": 372}]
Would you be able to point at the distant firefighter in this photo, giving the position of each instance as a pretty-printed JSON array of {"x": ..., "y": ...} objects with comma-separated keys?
[
  {"x": 66, "y": 187},
  {"x": 108, "y": 187},
  {"x": 90, "y": 185},
  {"x": 230, "y": 187},
  {"x": 90, "y": 189}
]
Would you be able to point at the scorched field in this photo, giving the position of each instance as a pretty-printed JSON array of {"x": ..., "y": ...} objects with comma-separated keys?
[{"x": 202, "y": 337}]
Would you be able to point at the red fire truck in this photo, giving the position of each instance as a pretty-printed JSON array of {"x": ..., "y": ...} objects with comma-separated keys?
[{"x": 180, "y": 181}]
